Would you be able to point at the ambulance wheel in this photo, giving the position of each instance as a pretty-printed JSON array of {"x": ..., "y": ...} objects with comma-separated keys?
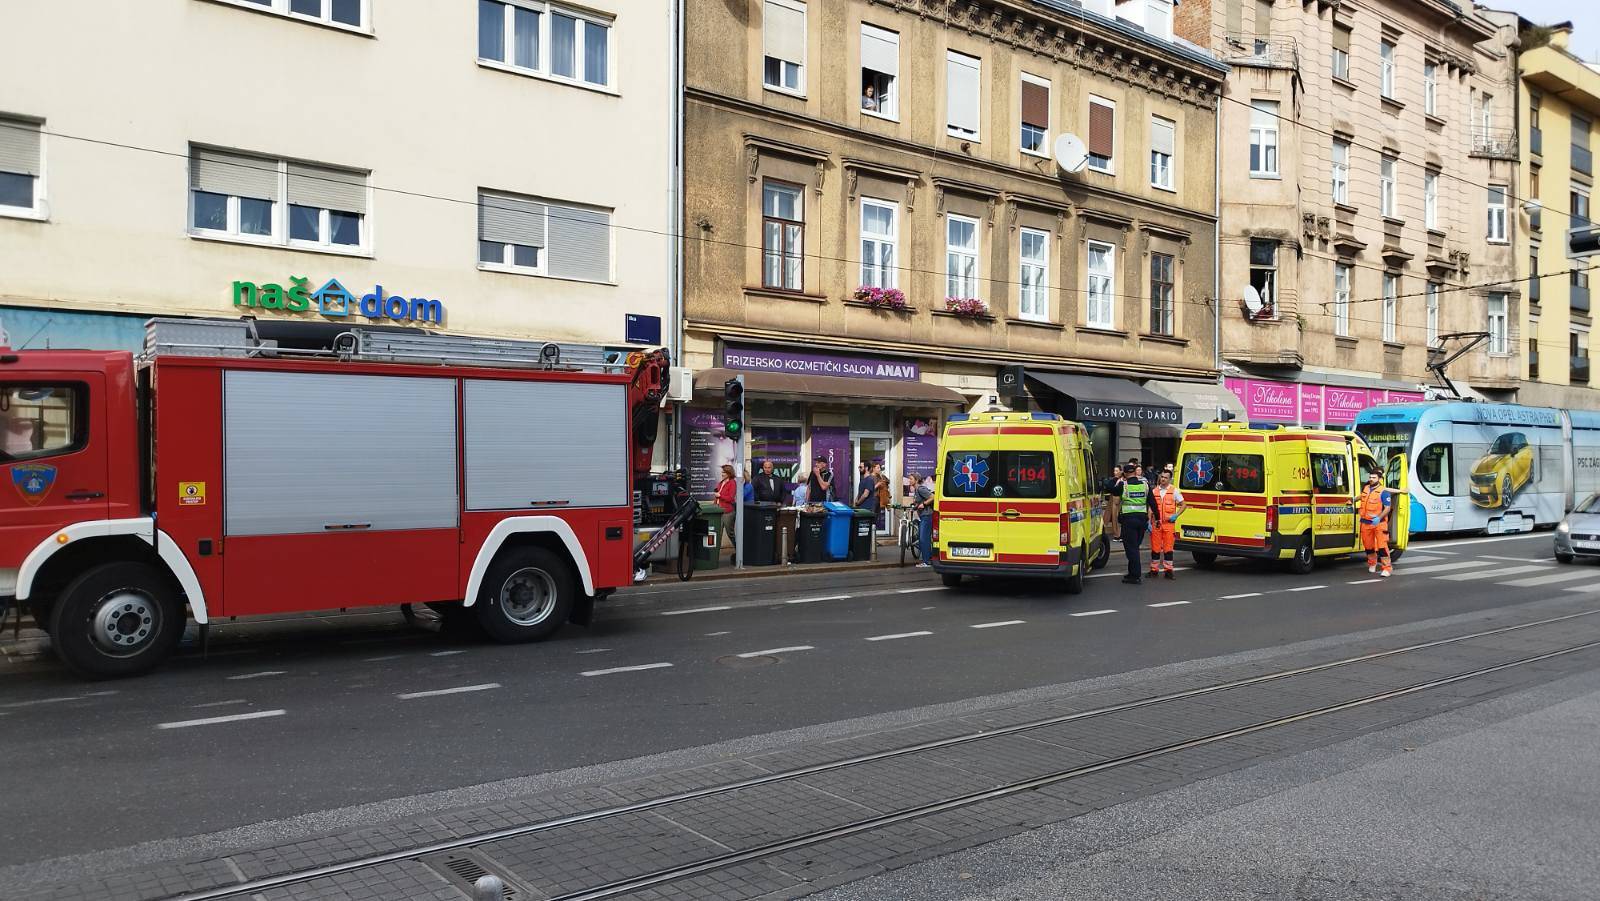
[
  {"x": 1075, "y": 581},
  {"x": 1104, "y": 557},
  {"x": 1304, "y": 559},
  {"x": 1205, "y": 560},
  {"x": 117, "y": 619},
  {"x": 527, "y": 594}
]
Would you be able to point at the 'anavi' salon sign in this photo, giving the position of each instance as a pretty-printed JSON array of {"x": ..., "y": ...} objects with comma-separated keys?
[
  {"x": 333, "y": 301},
  {"x": 800, "y": 362}
]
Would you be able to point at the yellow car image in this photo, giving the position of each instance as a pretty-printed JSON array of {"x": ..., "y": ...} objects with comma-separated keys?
[{"x": 1503, "y": 471}]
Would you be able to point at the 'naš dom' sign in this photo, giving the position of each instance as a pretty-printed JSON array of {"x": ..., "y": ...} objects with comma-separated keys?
[{"x": 333, "y": 301}]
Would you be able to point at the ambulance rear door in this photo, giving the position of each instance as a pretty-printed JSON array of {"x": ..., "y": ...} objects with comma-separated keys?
[{"x": 1398, "y": 481}]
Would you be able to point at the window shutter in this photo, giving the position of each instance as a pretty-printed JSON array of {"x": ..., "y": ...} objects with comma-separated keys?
[
  {"x": 1263, "y": 18},
  {"x": 510, "y": 220},
  {"x": 1580, "y": 132},
  {"x": 1102, "y": 125},
  {"x": 1035, "y": 105},
  {"x": 1263, "y": 114},
  {"x": 786, "y": 33},
  {"x": 332, "y": 189},
  {"x": 1235, "y": 16},
  {"x": 1341, "y": 38},
  {"x": 961, "y": 84},
  {"x": 220, "y": 172},
  {"x": 1162, "y": 136},
  {"x": 580, "y": 243},
  {"x": 19, "y": 147},
  {"x": 880, "y": 50}
]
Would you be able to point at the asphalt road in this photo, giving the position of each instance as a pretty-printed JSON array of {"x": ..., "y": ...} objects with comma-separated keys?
[{"x": 308, "y": 719}]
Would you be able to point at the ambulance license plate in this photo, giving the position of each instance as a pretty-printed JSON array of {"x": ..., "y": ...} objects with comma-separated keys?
[
  {"x": 1197, "y": 532},
  {"x": 970, "y": 550}
]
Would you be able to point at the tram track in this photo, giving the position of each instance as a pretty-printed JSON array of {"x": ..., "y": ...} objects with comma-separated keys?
[{"x": 865, "y": 824}]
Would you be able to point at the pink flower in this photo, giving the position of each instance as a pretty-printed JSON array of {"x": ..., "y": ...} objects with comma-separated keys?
[
  {"x": 883, "y": 298},
  {"x": 970, "y": 307}
]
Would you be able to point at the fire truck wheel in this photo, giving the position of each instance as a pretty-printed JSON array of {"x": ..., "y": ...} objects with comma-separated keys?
[
  {"x": 116, "y": 619},
  {"x": 527, "y": 594}
]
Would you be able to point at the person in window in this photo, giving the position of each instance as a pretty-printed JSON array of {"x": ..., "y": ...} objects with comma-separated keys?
[
  {"x": 725, "y": 499},
  {"x": 20, "y": 436},
  {"x": 869, "y": 98},
  {"x": 769, "y": 488}
]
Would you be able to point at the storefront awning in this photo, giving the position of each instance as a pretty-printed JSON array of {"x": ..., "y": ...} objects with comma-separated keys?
[
  {"x": 1103, "y": 399},
  {"x": 789, "y": 386}
]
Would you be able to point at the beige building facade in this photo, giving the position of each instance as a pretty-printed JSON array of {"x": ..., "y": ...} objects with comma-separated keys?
[
  {"x": 226, "y": 157},
  {"x": 879, "y": 222},
  {"x": 1370, "y": 202}
]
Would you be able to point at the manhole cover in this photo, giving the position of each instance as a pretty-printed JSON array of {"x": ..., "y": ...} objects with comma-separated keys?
[{"x": 737, "y": 662}]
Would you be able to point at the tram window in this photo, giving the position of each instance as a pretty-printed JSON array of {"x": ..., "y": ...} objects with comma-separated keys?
[{"x": 1433, "y": 469}]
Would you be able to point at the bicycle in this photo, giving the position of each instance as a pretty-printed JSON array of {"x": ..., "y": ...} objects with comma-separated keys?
[{"x": 909, "y": 533}]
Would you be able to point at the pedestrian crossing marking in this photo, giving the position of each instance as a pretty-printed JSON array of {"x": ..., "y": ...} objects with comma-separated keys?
[
  {"x": 1550, "y": 579},
  {"x": 1495, "y": 574},
  {"x": 1442, "y": 567}
]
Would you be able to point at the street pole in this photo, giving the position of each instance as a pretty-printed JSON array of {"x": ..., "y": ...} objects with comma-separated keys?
[{"x": 740, "y": 477}]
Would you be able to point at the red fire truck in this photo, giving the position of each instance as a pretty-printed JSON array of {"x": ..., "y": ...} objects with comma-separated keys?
[{"x": 225, "y": 473}]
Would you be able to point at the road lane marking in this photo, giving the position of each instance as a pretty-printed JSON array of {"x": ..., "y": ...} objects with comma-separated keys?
[
  {"x": 384, "y": 657},
  {"x": 446, "y": 653},
  {"x": 1446, "y": 567},
  {"x": 1429, "y": 546},
  {"x": 263, "y": 674},
  {"x": 824, "y": 597},
  {"x": 1487, "y": 575},
  {"x": 1588, "y": 588},
  {"x": 898, "y": 635},
  {"x": 695, "y": 610},
  {"x": 594, "y": 651},
  {"x": 1093, "y": 613},
  {"x": 625, "y": 669},
  {"x": 1520, "y": 559},
  {"x": 715, "y": 634},
  {"x": 1306, "y": 588},
  {"x": 919, "y": 590},
  {"x": 772, "y": 652},
  {"x": 930, "y": 608},
  {"x": 1549, "y": 580},
  {"x": 1363, "y": 581},
  {"x": 221, "y": 703},
  {"x": 1004, "y": 622},
  {"x": 1235, "y": 597},
  {"x": 461, "y": 689},
  {"x": 1168, "y": 604},
  {"x": 213, "y": 720}
]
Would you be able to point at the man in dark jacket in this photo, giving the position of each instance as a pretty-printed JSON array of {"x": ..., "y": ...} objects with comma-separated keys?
[{"x": 769, "y": 488}]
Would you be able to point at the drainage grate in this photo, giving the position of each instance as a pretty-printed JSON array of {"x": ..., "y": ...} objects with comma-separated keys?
[{"x": 463, "y": 869}]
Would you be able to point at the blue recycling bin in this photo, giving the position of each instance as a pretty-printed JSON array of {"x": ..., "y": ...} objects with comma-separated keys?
[{"x": 836, "y": 537}]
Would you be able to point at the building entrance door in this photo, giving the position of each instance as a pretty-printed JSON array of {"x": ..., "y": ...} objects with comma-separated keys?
[{"x": 870, "y": 448}]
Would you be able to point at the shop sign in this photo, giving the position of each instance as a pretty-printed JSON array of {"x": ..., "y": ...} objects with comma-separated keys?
[
  {"x": 919, "y": 447},
  {"x": 705, "y": 449},
  {"x": 1342, "y": 404},
  {"x": 1104, "y": 412},
  {"x": 1313, "y": 405},
  {"x": 805, "y": 362},
  {"x": 333, "y": 301}
]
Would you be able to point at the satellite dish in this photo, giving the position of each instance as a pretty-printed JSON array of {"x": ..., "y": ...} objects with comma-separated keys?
[
  {"x": 1071, "y": 154},
  {"x": 1252, "y": 300}
]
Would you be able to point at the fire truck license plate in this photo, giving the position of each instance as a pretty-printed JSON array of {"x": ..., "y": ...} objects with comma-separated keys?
[
  {"x": 968, "y": 550},
  {"x": 1197, "y": 532}
]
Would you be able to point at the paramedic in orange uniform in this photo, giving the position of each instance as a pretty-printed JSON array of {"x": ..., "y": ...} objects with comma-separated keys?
[
  {"x": 1166, "y": 502},
  {"x": 1373, "y": 507}
]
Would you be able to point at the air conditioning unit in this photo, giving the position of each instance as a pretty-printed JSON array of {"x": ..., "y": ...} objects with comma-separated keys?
[{"x": 680, "y": 384}]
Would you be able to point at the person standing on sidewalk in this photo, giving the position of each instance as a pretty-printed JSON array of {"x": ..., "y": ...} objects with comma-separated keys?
[
  {"x": 923, "y": 504},
  {"x": 1166, "y": 502},
  {"x": 1374, "y": 507},
  {"x": 769, "y": 489},
  {"x": 725, "y": 499},
  {"x": 1130, "y": 513}
]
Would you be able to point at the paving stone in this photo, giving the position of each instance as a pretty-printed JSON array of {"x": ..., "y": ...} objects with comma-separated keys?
[
  {"x": 340, "y": 848},
  {"x": 529, "y": 811},
  {"x": 855, "y": 853},
  {"x": 405, "y": 879},
  {"x": 708, "y": 776},
  {"x": 143, "y": 886},
  {"x": 746, "y": 880},
  {"x": 597, "y": 852},
  {"x": 897, "y": 784},
  {"x": 751, "y": 817},
  {"x": 1011, "y": 758}
]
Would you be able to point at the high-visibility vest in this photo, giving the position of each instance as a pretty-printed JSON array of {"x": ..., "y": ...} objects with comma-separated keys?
[
  {"x": 1135, "y": 497},
  {"x": 1166, "y": 504},
  {"x": 1371, "y": 503}
]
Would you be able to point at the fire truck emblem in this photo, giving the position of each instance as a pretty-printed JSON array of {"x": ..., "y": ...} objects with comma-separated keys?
[
  {"x": 972, "y": 474},
  {"x": 33, "y": 482}
]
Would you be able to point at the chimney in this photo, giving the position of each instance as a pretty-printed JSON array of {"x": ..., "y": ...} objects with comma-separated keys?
[{"x": 1560, "y": 35}]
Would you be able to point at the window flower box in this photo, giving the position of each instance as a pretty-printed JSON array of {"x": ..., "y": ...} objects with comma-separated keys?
[
  {"x": 882, "y": 298},
  {"x": 967, "y": 307}
]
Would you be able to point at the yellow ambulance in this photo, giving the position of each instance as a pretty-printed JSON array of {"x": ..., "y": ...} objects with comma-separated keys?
[
  {"x": 1263, "y": 490},
  {"x": 1014, "y": 497}
]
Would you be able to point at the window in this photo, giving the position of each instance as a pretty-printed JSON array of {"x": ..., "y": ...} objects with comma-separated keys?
[
  {"x": 1386, "y": 68},
  {"x": 1485, "y": 113},
  {"x": 1386, "y": 196},
  {"x": 241, "y": 197},
  {"x": 1497, "y": 323},
  {"x": 1433, "y": 469},
  {"x": 960, "y": 257},
  {"x": 1341, "y": 171},
  {"x": 40, "y": 421},
  {"x": 1329, "y": 473},
  {"x": 1264, "y": 274},
  {"x": 1533, "y": 348},
  {"x": 1102, "y": 134},
  {"x": 1533, "y": 274},
  {"x": 20, "y": 169},
  {"x": 546, "y": 40},
  {"x": 1035, "y": 115},
  {"x": 1430, "y": 87},
  {"x": 1101, "y": 307},
  {"x": 1264, "y": 138},
  {"x": 1034, "y": 276},
  {"x": 1163, "y": 148},
  {"x": 880, "y": 71},
  {"x": 1535, "y": 134},
  {"x": 1222, "y": 472},
  {"x": 1433, "y": 314},
  {"x": 1582, "y": 160},
  {"x": 999, "y": 474},
  {"x": 1578, "y": 349},
  {"x": 538, "y": 237},
  {"x": 1341, "y": 299},
  {"x": 1497, "y": 214},
  {"x": 782, "y": 236},
  {"x": 1341, "y": 53},
  {"x": 1535, "y": 216},
  {"x": 1578, "y": 205},
  {"x": 1391, "y": 305},
  {"x": 962, "y": 77},
  {"x": 1161, "y": 293},
  {"x": 348, "y": 13},
  {"x": 1158, "y": 18},
  {"x": 1430, "y": 199},
  {"x": 879, "y": 238},
  {"x": 784, "y": 37}
]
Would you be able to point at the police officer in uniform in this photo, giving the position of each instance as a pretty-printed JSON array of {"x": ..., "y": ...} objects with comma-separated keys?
[{"x": 1130, "y": 512}]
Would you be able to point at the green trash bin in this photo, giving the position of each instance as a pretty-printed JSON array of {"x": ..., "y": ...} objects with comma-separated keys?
[{"x": 708, "y": 543}]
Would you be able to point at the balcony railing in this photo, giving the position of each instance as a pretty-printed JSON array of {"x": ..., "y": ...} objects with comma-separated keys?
[
  {"x": 1536, "y": 140},
  {"x": 1582, "y": 160},
  {"x": 1580, "y": 298},
  {"x": 1500, "y": 143},
  {"x": 1265, "y": 52},
  {"x": 1580, "y": 370}
]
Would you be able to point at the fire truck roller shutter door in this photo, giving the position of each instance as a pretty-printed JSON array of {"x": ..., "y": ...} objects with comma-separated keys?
[{"x": 545, "y": 443}]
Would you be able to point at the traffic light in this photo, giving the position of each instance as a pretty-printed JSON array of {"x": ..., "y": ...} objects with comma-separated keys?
[
  {"x": 1583, "y": 241},
  {"x": 733, "y": 407}
]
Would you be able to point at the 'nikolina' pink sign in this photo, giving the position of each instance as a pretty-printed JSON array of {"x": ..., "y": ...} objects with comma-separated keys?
[
  {"x": 1311, "y": 405},
  {"x": 1342, "y": 404},
  {"x": 1272, "y": 401}
]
